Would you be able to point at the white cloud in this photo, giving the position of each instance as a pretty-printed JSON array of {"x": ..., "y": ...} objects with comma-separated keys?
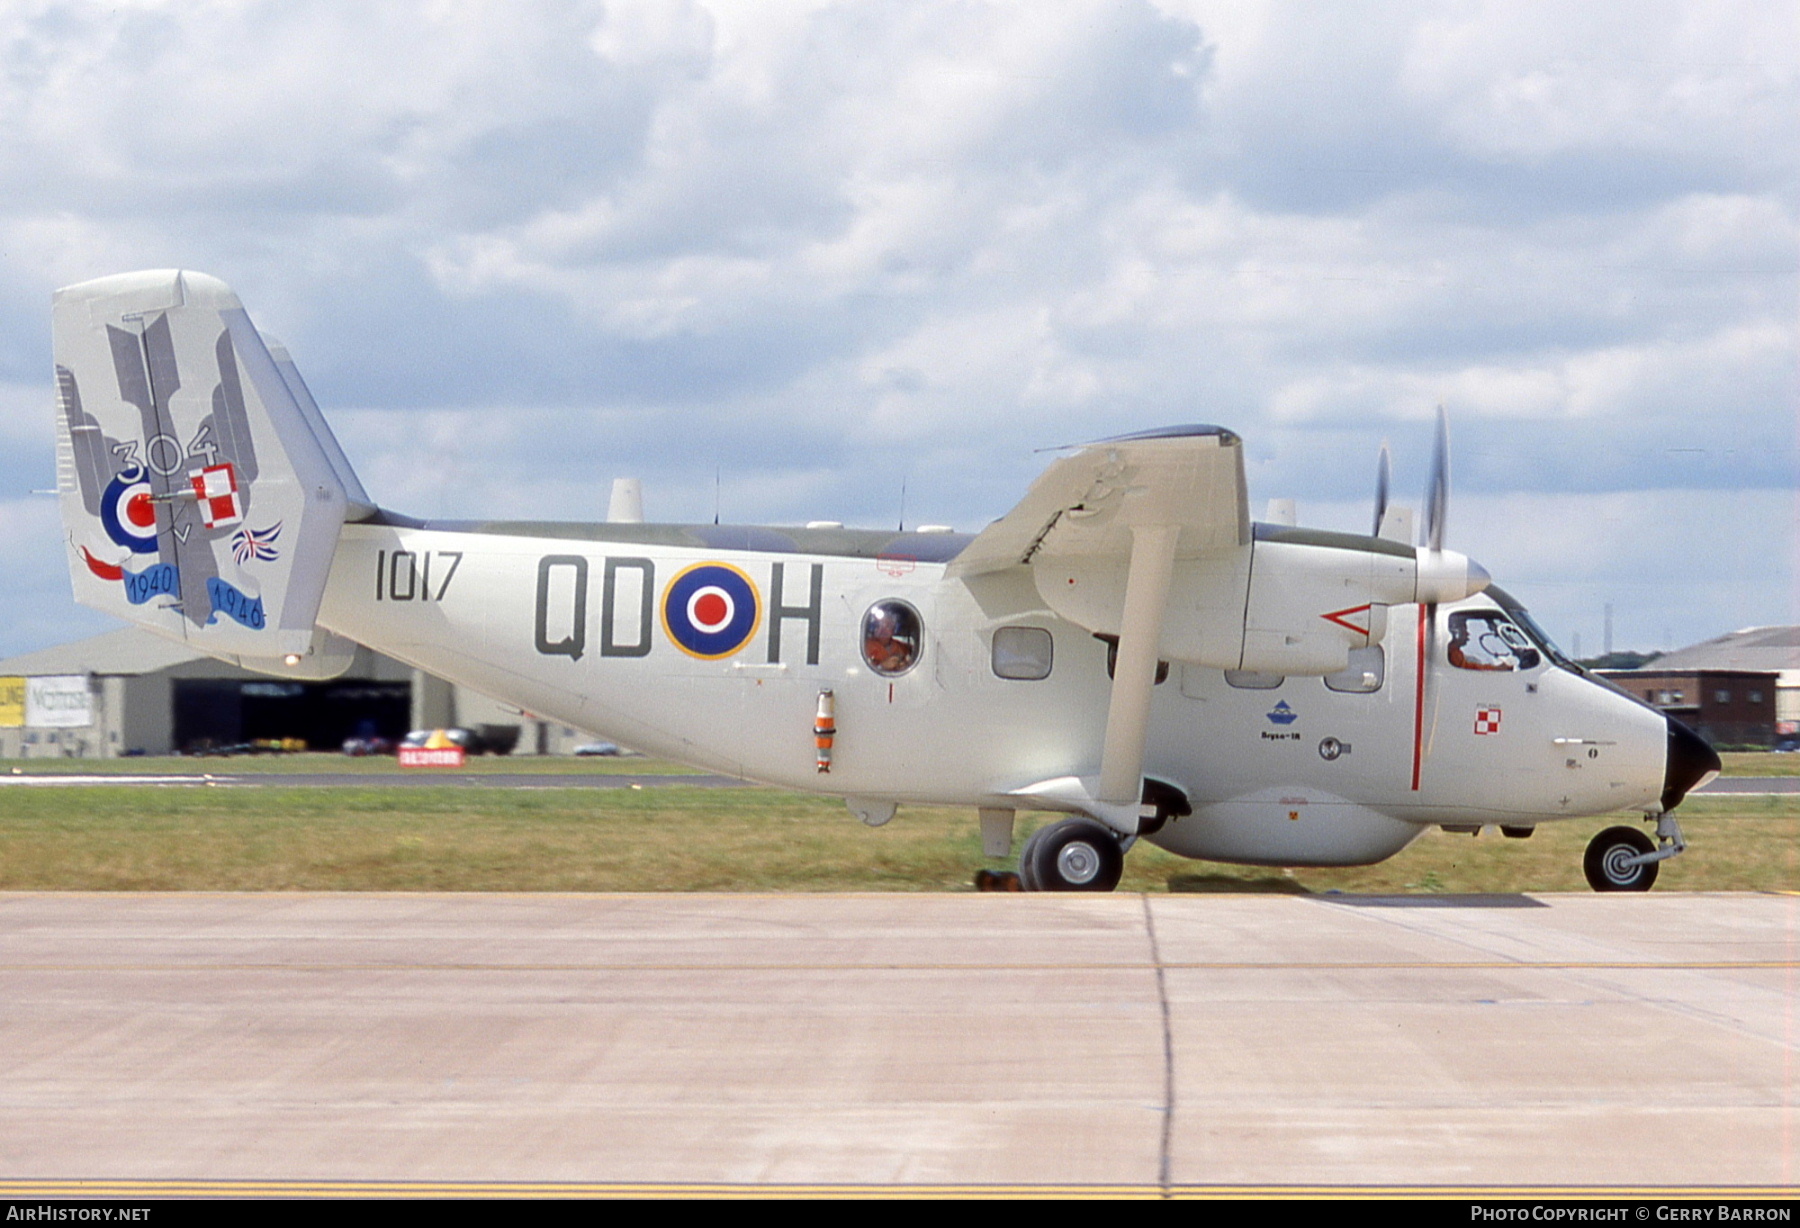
[{"x": 827, "y": 247}]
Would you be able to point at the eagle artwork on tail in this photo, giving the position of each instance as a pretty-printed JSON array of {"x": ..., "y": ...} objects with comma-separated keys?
[{"x": 162, "y": 496}]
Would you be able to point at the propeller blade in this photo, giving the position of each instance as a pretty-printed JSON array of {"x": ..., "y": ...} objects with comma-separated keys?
[
  {"x": 1384, "y": 470},
  {"x": 1437, "y": 502},
  {"x": 1437, "y": 497}
]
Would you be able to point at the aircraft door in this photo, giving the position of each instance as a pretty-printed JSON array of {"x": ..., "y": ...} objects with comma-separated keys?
[{"x": 1486, "y": 675}]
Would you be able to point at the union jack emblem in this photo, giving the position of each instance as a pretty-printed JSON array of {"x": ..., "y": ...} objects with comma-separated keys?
[{"x": 258, "y": 544}]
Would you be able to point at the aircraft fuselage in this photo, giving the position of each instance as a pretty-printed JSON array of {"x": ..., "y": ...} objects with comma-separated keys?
[{"x": 591, "y": 628}]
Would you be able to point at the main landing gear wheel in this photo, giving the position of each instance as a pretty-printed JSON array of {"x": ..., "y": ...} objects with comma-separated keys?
[
  {"x": 1608, "y": 856},
  {"x": 1073, "y": 855},
  {"x": 1027, "y": 874}
]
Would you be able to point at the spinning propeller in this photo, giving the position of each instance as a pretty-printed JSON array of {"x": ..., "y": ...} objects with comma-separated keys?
[
  {"x": 1384, "y": 470},
  {"x": 1442, "y": 574},
  {"x": 1437, "y": 507},
  {"x": 1437, "y": 493}
]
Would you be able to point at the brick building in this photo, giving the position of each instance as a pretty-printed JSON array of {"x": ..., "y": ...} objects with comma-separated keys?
[{"x": 1727, "y": 707}]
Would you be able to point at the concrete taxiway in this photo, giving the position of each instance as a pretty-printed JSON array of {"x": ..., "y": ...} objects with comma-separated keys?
[{"x": 1146, "y": 1044}]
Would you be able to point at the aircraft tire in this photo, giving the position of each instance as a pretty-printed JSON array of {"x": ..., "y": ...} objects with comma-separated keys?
[
  {"x": 1606, "y": 855},
  {"x": 1027, "y": 874},
  {"x": 1076, "y": 855}
]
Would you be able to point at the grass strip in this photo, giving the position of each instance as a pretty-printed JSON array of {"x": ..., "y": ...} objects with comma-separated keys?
[{"x": 198, "y": 838}]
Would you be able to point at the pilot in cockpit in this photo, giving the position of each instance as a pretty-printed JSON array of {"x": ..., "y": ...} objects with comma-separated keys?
[{"x": 1487, "y": 640}]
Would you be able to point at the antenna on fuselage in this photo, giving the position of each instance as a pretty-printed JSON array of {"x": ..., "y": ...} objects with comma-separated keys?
[
  {"x": 902, "y": 525},
  {"x": 718, "y": 480}
]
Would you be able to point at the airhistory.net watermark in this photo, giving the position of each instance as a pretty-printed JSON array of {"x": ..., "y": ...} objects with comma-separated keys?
[{"x": 52, "y": 1213}]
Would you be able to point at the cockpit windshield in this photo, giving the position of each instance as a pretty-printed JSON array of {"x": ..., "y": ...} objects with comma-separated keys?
[{"x": 1519, "y": 615}]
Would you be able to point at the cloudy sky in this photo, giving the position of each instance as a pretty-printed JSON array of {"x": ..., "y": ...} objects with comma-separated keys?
[{"x": 796, "y": 256}]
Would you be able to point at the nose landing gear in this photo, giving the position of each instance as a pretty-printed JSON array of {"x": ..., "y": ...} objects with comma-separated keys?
[{"x": 1625, "y": 859}]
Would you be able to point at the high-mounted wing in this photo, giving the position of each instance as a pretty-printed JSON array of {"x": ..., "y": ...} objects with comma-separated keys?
[
  {"x": 1189, "y": 477},
  {"x": 1111, "y": 521},
  {"x": 1148, "y": 538}
]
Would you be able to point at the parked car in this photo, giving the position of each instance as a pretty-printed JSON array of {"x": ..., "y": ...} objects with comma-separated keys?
[
  {"x": 358, "y": 747},
  {"x": 470, "y": 741}
]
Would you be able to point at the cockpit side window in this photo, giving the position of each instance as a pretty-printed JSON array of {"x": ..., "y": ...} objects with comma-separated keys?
[{"x": 1489, "y": 640}]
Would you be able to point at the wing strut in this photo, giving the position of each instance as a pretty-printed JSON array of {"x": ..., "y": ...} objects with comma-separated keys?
[
  {"x": 1134, "y": 672},
  {"x": 1114, "y": 797}
]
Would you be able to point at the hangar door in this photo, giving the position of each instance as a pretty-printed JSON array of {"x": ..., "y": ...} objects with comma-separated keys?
[{"x": 217, "y": 712}]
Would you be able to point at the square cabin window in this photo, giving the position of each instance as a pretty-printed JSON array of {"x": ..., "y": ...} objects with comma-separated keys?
[
  {"x": 1721, "y": 697},
  {"x": 1364, "y": 674},
  {"x": 1755, "y": 697},
  {"x": 1023, "y": 654}
]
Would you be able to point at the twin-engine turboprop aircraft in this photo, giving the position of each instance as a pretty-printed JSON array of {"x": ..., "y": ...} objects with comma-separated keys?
[{"x": 1125, "y": 646}]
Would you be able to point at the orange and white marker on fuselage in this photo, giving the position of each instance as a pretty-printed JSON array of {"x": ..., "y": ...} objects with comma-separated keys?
[{"x": 825, "y": 730}]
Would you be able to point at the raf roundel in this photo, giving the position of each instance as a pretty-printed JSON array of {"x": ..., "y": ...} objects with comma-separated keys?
[
  {"x": 128, "y": 513},
  {"x": 711, "y": 610}
]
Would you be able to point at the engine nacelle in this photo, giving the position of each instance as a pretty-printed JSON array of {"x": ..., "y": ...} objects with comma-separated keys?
[{"x": 1293, "y": 601}]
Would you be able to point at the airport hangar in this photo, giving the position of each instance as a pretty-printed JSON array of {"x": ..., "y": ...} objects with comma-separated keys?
[
  {"x": 129, "y": 692},
  {"x": 1736, "y": 690}
]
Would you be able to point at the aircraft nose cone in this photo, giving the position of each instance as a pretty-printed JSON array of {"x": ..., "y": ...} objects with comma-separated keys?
[{"x": 1691, "y": 763}]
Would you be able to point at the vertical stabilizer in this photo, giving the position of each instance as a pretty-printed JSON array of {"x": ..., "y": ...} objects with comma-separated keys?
[{"x": 201, "y": 492}]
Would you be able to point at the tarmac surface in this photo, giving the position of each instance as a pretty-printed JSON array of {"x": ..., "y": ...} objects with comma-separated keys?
[
  {"x": 1762, "y": 786},
  {"x": 898, "y": 1043}
]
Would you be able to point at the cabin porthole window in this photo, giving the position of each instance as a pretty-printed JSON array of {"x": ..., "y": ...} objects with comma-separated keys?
[
  {"x": 892, "y": 638},
  {"x": 1023, "y": 654}
]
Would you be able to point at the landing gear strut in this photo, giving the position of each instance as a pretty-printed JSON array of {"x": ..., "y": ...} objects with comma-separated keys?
[{"x": 1625, "y": 859}]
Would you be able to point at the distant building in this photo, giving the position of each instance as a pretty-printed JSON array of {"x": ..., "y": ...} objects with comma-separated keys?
[
  {"x": 1741, "y": 689},
  {"x": 131, "y": 692},
  {"x": 1726, "y": 707}
]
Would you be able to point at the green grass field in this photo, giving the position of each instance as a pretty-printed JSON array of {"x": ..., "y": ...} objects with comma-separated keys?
[
  {"x": 1760, "y": 763},
  {"x": 195, "y": 838}
]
